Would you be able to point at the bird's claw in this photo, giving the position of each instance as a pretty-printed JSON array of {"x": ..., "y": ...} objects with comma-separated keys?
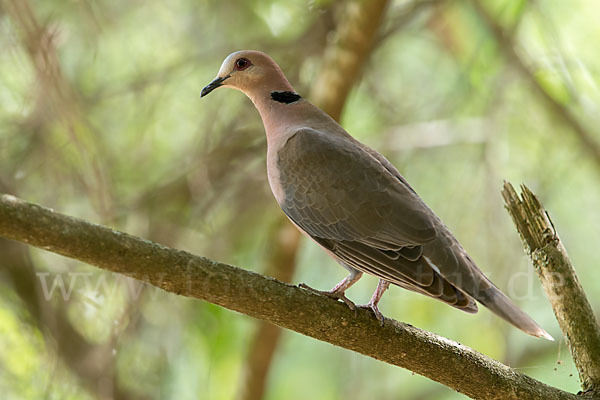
[
  {"x": 333, "y": 294},
  {"x": 373, "y": 308}
]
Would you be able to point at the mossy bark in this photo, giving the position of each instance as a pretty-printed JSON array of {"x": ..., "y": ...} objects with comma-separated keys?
[
  {"x": 287, "y": 306},
  {"x": 560, "y": 282}
]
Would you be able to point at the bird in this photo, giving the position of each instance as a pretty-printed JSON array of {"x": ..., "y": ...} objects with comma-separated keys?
[{"x": 355, "y": 204}]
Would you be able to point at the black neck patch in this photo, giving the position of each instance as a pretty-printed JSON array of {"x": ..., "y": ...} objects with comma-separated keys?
[{"x": 285, "y": 97}]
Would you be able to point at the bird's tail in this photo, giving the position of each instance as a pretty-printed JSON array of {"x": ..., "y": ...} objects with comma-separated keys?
[{"x": 502, "y": 306}]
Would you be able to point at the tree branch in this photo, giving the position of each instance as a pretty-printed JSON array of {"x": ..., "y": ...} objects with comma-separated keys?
[
  {"x": 507, "y": 46},
  {"x": 562, "y": 287},
  {"x": 290, "y": 307},
  {"x": 92, "y": 363},
  {"x": 344, "y": 58},
  {"x": 281, "y": 264}
]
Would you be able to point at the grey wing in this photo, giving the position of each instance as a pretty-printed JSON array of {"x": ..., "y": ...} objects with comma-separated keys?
[{"x": 350, "y": 203}]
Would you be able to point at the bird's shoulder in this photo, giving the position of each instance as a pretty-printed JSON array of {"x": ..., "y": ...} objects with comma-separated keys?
[
  {"x": 335, "y": 188},
  {"x": 306, "y": 141}
]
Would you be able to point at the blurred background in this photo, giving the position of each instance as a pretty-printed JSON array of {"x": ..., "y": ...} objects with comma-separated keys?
[{"x": 100, "y": 118}]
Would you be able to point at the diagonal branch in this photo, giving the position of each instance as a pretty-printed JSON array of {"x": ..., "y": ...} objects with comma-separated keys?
[
  {"x": 507, "y": 46},
  {"x": 345, "y": 56},
  {"x": 562, "y": 287},
  {"x": 290, "y": 307}
]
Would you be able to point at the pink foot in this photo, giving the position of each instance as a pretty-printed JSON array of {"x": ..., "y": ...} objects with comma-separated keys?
[
  {"x": 373, "y": 307},
  {"x": 334, "y": 294}
]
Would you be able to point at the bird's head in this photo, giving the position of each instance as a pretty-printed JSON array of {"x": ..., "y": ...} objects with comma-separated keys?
[{"x": 248, "y": 71}]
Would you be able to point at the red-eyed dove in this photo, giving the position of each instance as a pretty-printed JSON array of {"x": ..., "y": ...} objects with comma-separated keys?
[{"x": 354, "y": 203}]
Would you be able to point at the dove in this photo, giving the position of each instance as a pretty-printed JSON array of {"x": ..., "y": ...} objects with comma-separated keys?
[{"x": 354, "y": 203}]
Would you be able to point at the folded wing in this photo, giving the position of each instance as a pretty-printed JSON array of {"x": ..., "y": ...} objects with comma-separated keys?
[{"x": 350, "y": 203}]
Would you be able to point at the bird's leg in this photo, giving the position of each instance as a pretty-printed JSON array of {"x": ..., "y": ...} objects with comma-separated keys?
[
  {"x": 372, "y": 305},
  {"x": 338, "y": 290}
]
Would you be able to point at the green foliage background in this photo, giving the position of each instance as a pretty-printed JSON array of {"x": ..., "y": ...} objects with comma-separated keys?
[{"x": 116, "y": 133}]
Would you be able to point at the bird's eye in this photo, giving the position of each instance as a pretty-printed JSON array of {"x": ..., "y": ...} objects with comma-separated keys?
[{"x": 242, "y": 63}]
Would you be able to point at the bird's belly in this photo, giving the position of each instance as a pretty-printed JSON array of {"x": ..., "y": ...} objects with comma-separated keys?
[{"x": 275, "y": 182}]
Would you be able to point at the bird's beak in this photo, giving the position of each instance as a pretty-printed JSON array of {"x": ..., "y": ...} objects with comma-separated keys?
[{"x": 218, "y": 81}]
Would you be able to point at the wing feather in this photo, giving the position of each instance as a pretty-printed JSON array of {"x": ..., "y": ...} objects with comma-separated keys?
[{"x": 349, "y": 201}]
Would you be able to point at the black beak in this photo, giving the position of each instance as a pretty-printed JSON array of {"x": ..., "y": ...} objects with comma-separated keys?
[{"x": 213, "y": 85}]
